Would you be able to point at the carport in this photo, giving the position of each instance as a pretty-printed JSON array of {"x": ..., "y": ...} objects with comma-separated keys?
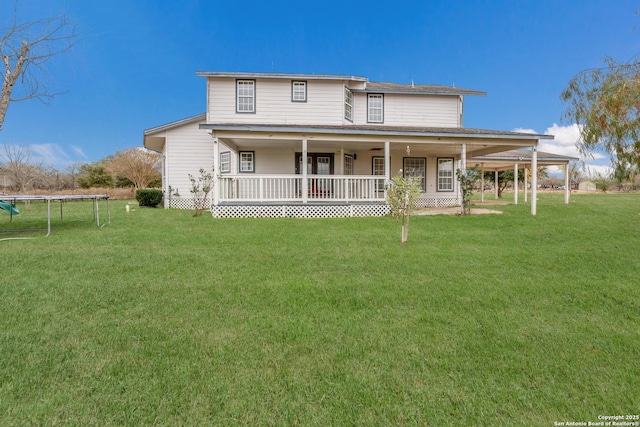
[{"x": 516, "y": 159}]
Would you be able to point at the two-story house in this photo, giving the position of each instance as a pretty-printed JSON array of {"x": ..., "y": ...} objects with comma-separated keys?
[{"x": 322, "y": 145}]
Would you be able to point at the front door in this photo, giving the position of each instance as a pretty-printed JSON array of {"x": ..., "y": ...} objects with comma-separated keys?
[{"x": 317, "y": 164}]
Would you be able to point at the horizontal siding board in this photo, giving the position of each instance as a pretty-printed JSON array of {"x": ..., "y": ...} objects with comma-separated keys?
[
  {"x": 412, "y": 110},
  {"x": 275, "y": 161},
  {"x": 188, "y": 149},
  {"x": 274, "y": 105},
  {"x": 436, "y": 111}
]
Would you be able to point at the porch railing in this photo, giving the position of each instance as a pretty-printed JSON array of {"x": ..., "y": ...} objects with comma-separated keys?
[{"x": 289, "y": 188}]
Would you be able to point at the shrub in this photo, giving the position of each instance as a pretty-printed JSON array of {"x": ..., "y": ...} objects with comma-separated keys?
[
  {"x": 402, "y": 194},
  {"x": 149, "y": 197}
]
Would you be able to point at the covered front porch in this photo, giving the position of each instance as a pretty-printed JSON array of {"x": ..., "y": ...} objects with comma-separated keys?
[{"x": 259, "y": 169}]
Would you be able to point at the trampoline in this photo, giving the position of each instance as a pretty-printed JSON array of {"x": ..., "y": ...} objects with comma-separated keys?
[{"x": 95, "y": 198}]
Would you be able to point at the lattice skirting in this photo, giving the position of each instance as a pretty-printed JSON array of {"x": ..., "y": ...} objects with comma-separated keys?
[
  {"x": 309, "y": 211},
  {"x": 298, "y": 211},
  {"x": 437, "y": 202},
  {"x": 181, "y": 203}
]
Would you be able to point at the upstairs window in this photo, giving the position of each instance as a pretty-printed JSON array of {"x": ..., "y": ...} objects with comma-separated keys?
[
  {"x": 348, "y": 104},
  {"x": 299, "y": 91},
  {"x": 246, "y": 96},
  {"x": 375, "y": 108},
  {"x": 445, "y": 174}
]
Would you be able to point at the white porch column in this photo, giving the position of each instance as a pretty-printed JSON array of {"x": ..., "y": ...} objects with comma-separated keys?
[
  {"x": 495, "y": 183},
  {"x": 515, "y": 183},
  {"x": 165, "y": 183},
  {"x": 463, "y": 157},
  {"x": 567, "y": 189},
  {"x": 525, "y": 185},
  {"x": 303, "y": 166},
  {"x": 482, "y": 182},
  {"x": 387, "y": 167},
  {"x": 215, "y": 194},
  {"x": 463, "y": 169},
  {"x": 534, "y": 179}
]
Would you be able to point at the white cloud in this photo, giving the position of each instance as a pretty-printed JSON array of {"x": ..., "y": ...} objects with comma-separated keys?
[
  {"x": 55, "y": 155},
  {"x": 49, "y": 154},
  {"x": 523, "y": 130},
  {"x": 79, "y": 152},
  {"x": 565, "y": 144}
]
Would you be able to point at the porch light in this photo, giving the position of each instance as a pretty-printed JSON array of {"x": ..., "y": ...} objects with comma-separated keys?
[{"x": 408, "y": 150}]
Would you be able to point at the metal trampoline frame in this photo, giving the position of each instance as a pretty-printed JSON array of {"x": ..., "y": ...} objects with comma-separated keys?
[{"x": 13, "y": 198}]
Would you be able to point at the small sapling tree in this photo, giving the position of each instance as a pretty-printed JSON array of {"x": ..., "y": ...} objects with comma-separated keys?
[
  {"x": 200, "y": 188},
  {"x": 402, "y": 193},
  {"x": 467, "y": 180}
]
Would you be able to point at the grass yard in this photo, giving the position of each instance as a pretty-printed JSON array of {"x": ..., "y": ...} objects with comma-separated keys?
[{"x": 163, "y": 319}]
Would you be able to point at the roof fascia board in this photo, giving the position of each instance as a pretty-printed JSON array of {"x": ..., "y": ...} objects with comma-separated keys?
[
  {"x": 422, "y": 92},
  {"x": 280, "y": 76},
  {"x": 177, "y": 123},
  {"x": 348, "y": 131}
]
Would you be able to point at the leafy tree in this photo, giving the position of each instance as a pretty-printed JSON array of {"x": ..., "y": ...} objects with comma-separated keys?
[
  {"x": 402, "y": 194},
  {"x": 467, "y": 180},
  {"x": 602, "y": 181},
  {"x": 138, "y": 166},
  {"x": 25, "y": 49},
  {"x": 506, "y": 177},
  {"x": 94, "y": 175},
  {"x": 605, "y": 103}
]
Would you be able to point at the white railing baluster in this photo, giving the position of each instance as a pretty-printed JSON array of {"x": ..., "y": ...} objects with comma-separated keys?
[{"x": 287, "y": 188}]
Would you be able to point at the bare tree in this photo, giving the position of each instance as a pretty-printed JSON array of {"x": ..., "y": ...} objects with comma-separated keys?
[
  {"x": 19, "y": 168},
  {"x": 73, "y": 169},
  {"x": 25, "y": 49},
  {"x": 139, "y": 166}
]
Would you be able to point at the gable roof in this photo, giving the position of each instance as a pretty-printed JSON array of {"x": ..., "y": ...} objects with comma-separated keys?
[
  {"x": 197, "y": 118},
  {"x": 154, "y": 138},
  {"x": 369, "y": 87}
]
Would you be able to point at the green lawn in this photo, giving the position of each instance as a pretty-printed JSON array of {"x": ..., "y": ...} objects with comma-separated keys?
[{"x": 164, "y": 319}]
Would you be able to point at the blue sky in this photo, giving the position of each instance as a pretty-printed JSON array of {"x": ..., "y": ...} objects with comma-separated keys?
[{"x": 135, "y": 64}]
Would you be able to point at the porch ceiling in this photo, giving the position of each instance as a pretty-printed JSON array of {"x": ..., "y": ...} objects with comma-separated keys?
[
  {"x": 427, "y": 141},
  {"x": 423, "y": 146}
]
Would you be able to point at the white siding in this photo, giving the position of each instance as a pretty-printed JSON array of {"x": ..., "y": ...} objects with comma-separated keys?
[
  {"x": 412, "y": 110},
  {"x": 438, "y": 111},
  {"x": 363, "y": 166},
  {"x": 188, "y": 149},
  {"x": 275, "y": 161},
  {"x": 273, "y": 103}
]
